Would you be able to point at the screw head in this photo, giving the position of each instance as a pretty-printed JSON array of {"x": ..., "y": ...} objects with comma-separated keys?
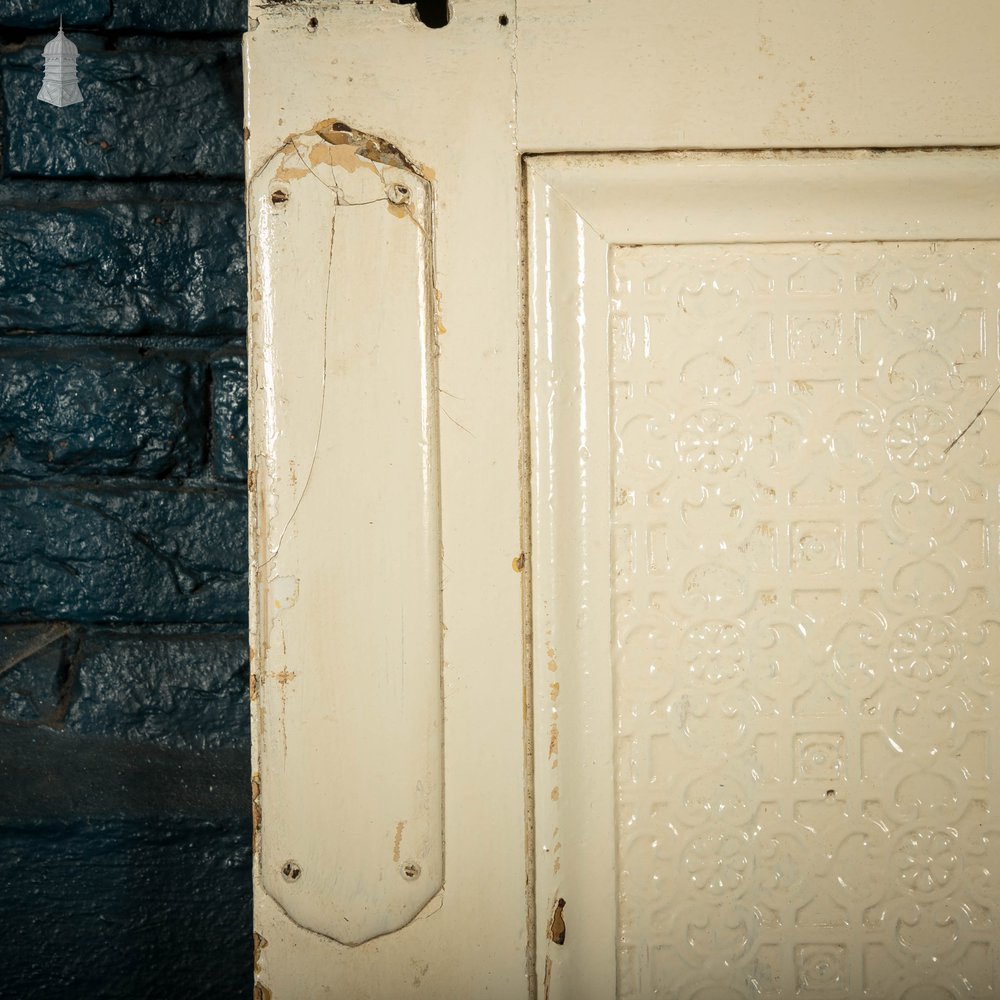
[
  {"x": 410, "y": 871},
  {"x": 291, "y": 871}
]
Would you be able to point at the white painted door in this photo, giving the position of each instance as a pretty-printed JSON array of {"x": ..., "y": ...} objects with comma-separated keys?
[{"x": 625, "y": 524}]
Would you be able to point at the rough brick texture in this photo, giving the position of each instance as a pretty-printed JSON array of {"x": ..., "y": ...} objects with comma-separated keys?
[
  {"x": 124, "y": 268},
  {"x": 229, "y": 419},
  {"x": 179, "y": 687},
  {"x": 100, "y": 412},
  {"x": 178, "y": 16},
  {"x": 118, "y": 130},
  {"x": 128, "y": 555},
  {"x": 124, "y": 731},
  {"x": 140, "y": 891}
]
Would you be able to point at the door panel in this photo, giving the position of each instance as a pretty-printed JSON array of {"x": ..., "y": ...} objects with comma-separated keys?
[
  {"x": 765, "y": 528},
  {"x": 475, "y": 414},
  {"x": 806, "y": 628}
]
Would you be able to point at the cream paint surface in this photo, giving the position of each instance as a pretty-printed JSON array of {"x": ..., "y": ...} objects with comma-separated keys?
[
  {"x": 806, "y": 648},
  {"x": 644, "y": 547},
  {"x": 463, "y": 104}
]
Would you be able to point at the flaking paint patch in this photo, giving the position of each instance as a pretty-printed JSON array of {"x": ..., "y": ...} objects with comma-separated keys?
[
  {"x": 340, "y": 156},
  {"x": 259, "y": 944},
  {"x": 284, "y": 591},
  {"x": 551, "y": 653},
  {"x": 256, "y": 812},
  {"x": 398, "y": 840}
]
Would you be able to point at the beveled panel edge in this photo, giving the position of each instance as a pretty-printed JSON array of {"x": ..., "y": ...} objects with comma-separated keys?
[{"x": 741, "y": 196}]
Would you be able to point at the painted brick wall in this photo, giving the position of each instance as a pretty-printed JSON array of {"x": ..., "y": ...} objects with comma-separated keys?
[{"x": 124, "y": 759}]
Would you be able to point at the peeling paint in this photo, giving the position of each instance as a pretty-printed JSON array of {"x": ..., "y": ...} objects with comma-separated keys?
[
  {"x": 259, "y": 944},
  {"x": 256, "y": 812},
  {"x": 556, "y": 931}
]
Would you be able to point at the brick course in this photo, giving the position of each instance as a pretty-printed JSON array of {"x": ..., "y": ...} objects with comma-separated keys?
[{"x": 124, "y": 757}]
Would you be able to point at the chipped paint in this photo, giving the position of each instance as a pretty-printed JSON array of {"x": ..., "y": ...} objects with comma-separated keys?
[
  {"x": 556, "y": 931},
  {"x": 284, "y": 591},
  {"x": 398, "y": 839},
  {"x": 255, "y": 812},
  {"x": 259, "y": 944}
]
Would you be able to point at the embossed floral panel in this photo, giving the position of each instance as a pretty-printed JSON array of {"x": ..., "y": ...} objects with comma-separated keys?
[{"x": 807, "y": 619}]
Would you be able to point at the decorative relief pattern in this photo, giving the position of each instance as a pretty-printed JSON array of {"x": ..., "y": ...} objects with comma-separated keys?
[{"x": 807, "y": 620}]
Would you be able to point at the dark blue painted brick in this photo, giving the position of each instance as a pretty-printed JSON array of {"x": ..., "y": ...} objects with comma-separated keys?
[
  {"x": 126, "y": 909},
  {"x": 181, "y": 15},
  {"x": 102, "y": 414},
  {"x": 229, "y": 419},
  {"x": 46, "y": 13},
  {"x": 180, "y": 691},
  {"x": 32, "y": 658},
  {"x": 189, "y": 691},
  {"x": 144, "y": 114},
  {"x": 123, "y": 268},
  {"x": 136, "y": 555}
]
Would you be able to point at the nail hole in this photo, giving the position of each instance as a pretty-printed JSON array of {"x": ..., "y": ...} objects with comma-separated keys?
[
  {"x": 290, "y": 871},
  {"x": 313, "y": 23},
  {"x": 504, "y": 20},
  {"x": 410, "y": 871},
  {"x": 279, "y": 197},
  {"x": 830, "y": 793}
]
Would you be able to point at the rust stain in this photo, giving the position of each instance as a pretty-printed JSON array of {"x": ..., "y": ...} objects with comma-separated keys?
[
  {"x": 285, "y": 676},
  {"x": 556, "y": 932},
  {"x": 397, "y": 842},
  {"x": 261, "y": 992},
  {"x": 553, "y": 741},
  {"x": 555, "y": 794},
  {"x": 554, "y": 690},
  {"x": 553, "y": 666},
  {"x": 253, "y": 687},
  {"x": 518, "y": 563},
  {"x": 546, "y": 983},
  {"x": 251, "y": 480}
]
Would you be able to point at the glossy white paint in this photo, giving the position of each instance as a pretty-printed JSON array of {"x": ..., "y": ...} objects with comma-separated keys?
[
  {"x": 348, "y": 423},
  {"x": 609, "y": 646},
  {"x": 463, "y": 104}
]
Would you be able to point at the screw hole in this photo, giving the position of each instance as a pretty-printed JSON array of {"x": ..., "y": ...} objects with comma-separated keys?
[
  {"x": 291, "y": 871},
  {"x": 504, "y": 20},
  {"x": 830, "y": 794},
  {"x": 410, "y": 871},
  {"x": 398, "y": 194},
  {"x": 279, "y": 197},
  {"x": 313, "y": 23}
]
